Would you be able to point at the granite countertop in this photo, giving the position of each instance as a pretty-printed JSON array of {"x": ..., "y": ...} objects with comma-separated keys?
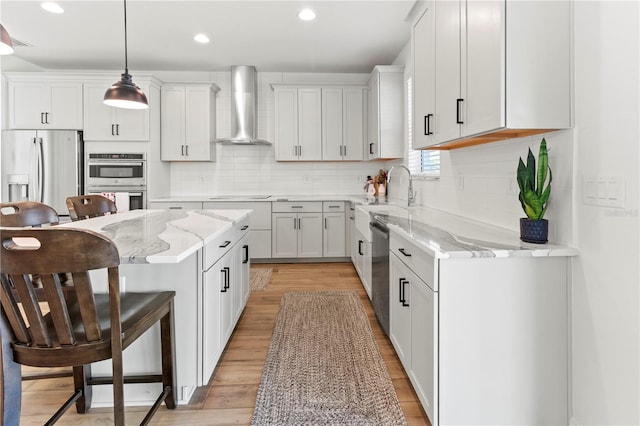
[
  {"x": 358, "y": 198},
  {"x": 161, "y": 236},
  {"x": 445, "y": 235}
]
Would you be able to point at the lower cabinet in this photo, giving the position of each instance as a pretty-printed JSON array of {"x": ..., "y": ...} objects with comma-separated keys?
[
  {"x": 334, "y": 234},
  {"x": 361, "y": 257},
  {"x": 297, "y": 235},
  {"x": 225, "y": 291}
]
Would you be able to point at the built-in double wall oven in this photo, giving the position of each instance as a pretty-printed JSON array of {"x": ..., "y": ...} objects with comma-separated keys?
[{"x": 118, "y": 175}]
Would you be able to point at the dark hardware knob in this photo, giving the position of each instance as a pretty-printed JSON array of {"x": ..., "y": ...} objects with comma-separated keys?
[
  {"x": 244, "y": 228},
  {"x": 226, "y": 243}
]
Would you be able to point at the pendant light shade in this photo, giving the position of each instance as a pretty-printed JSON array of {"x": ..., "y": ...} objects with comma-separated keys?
[
  {"x": 125, "y": 93},
  {"x": 6, "y": 47}
]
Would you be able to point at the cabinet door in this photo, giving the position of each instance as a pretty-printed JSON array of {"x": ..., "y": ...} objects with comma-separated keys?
[
  {"x": 332, "y": 122},
  {"x": 198, "y": 135},
  {"x": 448, "y": 108},
  {"x": 213, "y": 284},
  {"x": 172, "y": 123},
  {"x": 65, "y": 106},
  {"x": 133, "y": 124},
  {"x": 284, "y": 238},
  {"x": 334, "y": 234},
  {"x": 309, "y": 234},
  {"x": 309, "y": 124},
  {"x": 424, "y": 354},
  {"x": 43, "y": 105},
  {"x": 99, "y": 119},
  {"x": 353, "y": 110},
  {"x": 27, "y": 105},
  {"x": 424, "y": 78},
  {"x": 227, "y": 290},
  {"x": 244, "y": 262},
  {"x": 483, "y": 72},
  {"x": 400, "y": 310},
  {"x": 373, "y": 116},
  {"x": 286, "y": 131}
]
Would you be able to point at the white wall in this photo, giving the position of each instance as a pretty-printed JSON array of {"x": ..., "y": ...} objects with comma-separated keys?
[
  {"x": 479, "y": 183},
  {"x": 253, "y": 169},
  {"x": 606, "y": 331}
]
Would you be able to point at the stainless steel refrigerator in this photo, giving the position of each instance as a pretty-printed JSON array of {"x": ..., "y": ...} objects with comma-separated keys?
[{"x": 42, "y": 165}]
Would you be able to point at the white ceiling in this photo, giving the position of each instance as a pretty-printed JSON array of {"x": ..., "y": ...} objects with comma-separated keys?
[{"x": 347, "y": 36}]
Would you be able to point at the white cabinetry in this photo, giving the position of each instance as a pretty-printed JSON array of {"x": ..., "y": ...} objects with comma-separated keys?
[
  {"x": 225, "y": 290},
  {"x": 298, "y": 130},
  {"x": 385, "y": 112},
  {"x": 334, "y": 232},
  {"x": 105, "y": 123},
  {"x": 296, "y": 229},
  {"x": 474, "y": 333},
  {"x": 361, "y": 252},
  {"x": 259, "y": 222},
  {"x": 188, "y": 124},
  {"x": 343, "y": 121},
  {"x": 44, "y": 104},
  {"x": 485, "y": 69}
]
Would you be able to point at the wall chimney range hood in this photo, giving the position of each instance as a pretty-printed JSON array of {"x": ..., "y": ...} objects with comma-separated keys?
[{"x": 244, "y": 88}]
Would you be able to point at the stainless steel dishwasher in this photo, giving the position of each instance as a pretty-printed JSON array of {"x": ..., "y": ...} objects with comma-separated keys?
[{"x": 380, "y": 270}]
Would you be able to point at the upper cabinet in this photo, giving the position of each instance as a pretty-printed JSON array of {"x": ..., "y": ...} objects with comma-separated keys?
[
  {"x": 343, "y": 123},
  {"x": 319, "y": 122},
  {"x": 188, "y": 122},
  {"x": 44, "y": 104},
  {"x": 490, "y": 70},
  {"x": 106, "y": 123},
  {"x": 385, "y": 112}
]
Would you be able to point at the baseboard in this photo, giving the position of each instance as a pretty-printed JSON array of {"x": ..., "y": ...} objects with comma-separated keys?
[{"x": 303, "y": 260}]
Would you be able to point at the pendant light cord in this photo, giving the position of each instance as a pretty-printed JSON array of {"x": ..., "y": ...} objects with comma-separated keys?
[{"x": 126, "y": 65}]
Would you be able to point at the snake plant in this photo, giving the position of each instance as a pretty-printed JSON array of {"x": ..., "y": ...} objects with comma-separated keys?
[{"x": 534, "y": 195}]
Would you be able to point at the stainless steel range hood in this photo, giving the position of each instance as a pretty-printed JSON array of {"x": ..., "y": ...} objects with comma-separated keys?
[{"x": 244, "y": 88}]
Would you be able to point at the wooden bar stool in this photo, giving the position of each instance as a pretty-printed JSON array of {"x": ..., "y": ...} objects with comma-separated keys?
[
  {"x": 27, "y": 213},
  {"x": 87, "y": 327},
  {"x": 87, "y": 206}
]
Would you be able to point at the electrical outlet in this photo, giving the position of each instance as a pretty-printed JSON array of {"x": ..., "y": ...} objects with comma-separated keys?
[
  {"x": 460, "y": 182},
  {"x": 512, "y": 184}
]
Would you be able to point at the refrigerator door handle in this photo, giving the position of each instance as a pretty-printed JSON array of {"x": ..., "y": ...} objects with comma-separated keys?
[{"x": 41, "y": 170}]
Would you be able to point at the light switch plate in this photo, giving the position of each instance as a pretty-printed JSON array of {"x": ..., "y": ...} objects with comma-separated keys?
[{"x": 605, "y": 191}]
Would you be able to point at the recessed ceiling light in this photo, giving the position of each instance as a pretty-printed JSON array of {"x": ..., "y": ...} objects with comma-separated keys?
[
  {"x": 52, "y": 7},
  {"x": 201, "y": 38},
  {"x": 307, "y": 15}
]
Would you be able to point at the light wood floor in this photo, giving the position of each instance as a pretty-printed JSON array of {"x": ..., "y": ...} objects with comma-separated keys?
[{"x": 230, "y": 397}]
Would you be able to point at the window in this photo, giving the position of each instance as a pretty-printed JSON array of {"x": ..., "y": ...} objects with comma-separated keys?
[{"x": 421, "y": 162}]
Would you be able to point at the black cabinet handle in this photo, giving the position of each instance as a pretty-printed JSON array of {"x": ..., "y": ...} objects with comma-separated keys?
[
  {"x": 244, "y": 228},
  {"x": 182, "y": 150},
  {"x": 404, "y": 300},
  {"x": 227, "y": 276},
  {"x": 225, "y": 272},
  {"x": 458, "y": 102},
  {"x": 360, "y": 248},
  {"x": 401, "y": 291},
  {"x": 46, "y": 118},
  {"x": 245, "y": 248},
  {"x": 113, "y": 130},
  {"x": 401, "y": 250},
  {"x": 427, "y": 125},
  {"x": 186, "y": 150},
  {"x": 371, "y": 148},
  {"x": 42, "y": 118},
  {"x": 226, "y": 243}
]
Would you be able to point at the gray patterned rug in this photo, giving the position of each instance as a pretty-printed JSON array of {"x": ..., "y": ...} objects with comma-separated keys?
[
  {"x": 259, "y": 278},
  {"x": 324, "y": 367}
]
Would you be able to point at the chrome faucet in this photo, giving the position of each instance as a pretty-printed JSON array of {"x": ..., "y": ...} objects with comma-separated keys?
[{"x": 411, "y": 193}]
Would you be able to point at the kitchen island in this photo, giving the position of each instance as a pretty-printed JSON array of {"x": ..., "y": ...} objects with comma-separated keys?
[{"x": 202, "y": 255}]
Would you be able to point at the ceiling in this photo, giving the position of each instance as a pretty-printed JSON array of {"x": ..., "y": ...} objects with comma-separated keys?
[{"x": 346, "y": 36}]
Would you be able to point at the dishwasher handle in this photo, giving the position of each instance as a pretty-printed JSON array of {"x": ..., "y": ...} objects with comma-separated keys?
[{"x": 379, "y": 229}]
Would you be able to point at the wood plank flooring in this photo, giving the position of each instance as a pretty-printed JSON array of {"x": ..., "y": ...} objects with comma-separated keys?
[{"x": 230, "y": 397}]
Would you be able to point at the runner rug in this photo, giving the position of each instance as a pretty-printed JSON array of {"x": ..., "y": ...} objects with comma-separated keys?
[
  {"x": 323, "y": 366},
  {"x": 259, "y": 278}
]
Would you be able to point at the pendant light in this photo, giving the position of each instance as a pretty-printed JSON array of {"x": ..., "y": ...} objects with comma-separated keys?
[
  {"x": 124, "y": 93},
  {"x": 6, "y": 47}
]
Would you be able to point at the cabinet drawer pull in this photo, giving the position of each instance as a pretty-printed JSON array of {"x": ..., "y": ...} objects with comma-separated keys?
[
  {"x": 113, "y": 130},
  {"x": 297, "y": 207},
  {"x": 117, "y": 130},
  {"x": 344, "y": 150},
  {"x": 46, "y": 118},
  {"x": 404, "y": 300},
  {"x": 245, "y": 248},
  {"x": 295, "y": 223},
  {"x": 458, "y": 102},
  {"x": 334, "y": 207},
  {"x": 175, "y": 208},
  {"x": 225, "y": 272},
  {"x": 42, "y": 118},
  {"x": 244, "y": 228},
  {"x": 401, "y": 250},
  {"x": 401, "y": 291},
  {"x": 371, "y": 148},
  {"x": 223, "y": 245},
  {"x": 325, "y": 223},
  {"x": 427, "y": 125},
  {"x": 360, "y": 248},
  {"x": 227, "y": 276}
]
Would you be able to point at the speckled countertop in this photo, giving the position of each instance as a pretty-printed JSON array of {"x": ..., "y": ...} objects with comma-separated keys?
[{"x": 161, "y": 236}]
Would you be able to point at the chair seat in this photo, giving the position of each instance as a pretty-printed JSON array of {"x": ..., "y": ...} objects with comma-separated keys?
[{"x": 138, "y": 311}]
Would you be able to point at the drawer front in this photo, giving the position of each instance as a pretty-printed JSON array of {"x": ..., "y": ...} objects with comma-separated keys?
[
  {"x": 187, "y": 205},
  {"x": 260, "y": 217},
  {"x": 416, "y": 259},
  {"x": 333, "y": 206},
  {"x": 216, "y": 248},
  {"x": 297, "y": 207}
]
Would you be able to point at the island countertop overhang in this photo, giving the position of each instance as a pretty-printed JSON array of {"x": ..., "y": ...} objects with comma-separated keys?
[{"x": 161, "y": 236}]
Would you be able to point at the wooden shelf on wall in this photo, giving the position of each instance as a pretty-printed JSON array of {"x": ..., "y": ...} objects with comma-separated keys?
[{"x": 497, "y": 136}]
